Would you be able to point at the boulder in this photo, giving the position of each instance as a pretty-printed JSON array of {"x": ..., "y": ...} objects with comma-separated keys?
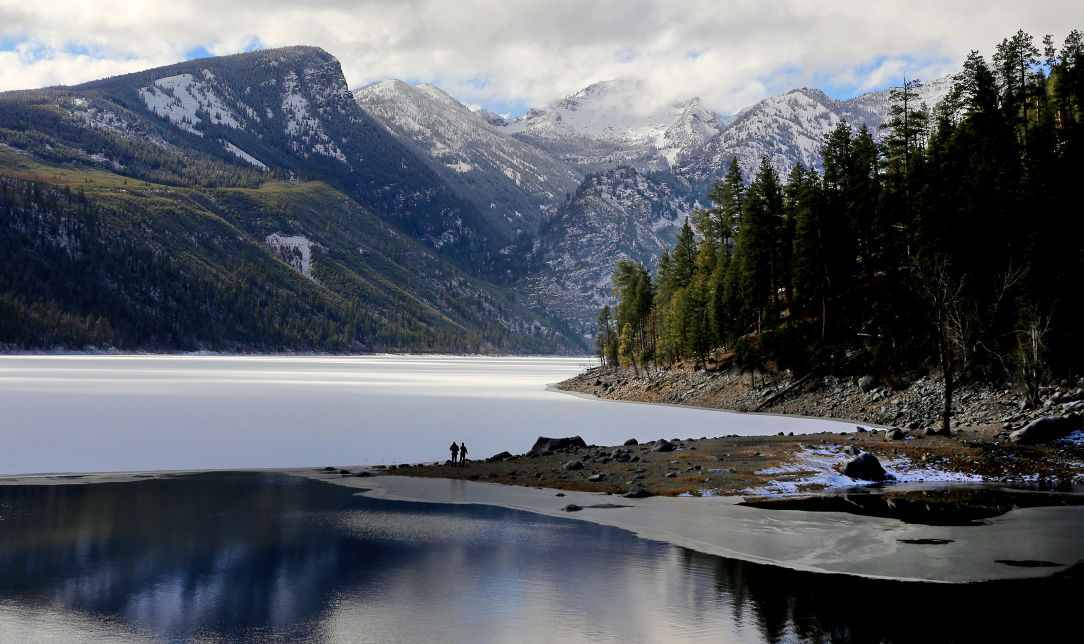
[
  {"x": 865, "y": 466},
  {"x": 596, "y": 478},
  {"x": 631, "y": 441},
  {"x": 572, "y": 507},
  {"x": 573, "y": 465},
  {"x": 893, "y": 434},
  {"x": 1046, "y": 429},
  {"x": 662, "y": 445},
  {"x": 499, "y": 457},
  {"x": 546, "y": 444},
  {"x": 866, "y": 384},
  {"x": 637, "y": 493}
]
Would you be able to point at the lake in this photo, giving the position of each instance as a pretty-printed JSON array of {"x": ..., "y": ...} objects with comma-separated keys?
[
  {"x": 249, "y": 556},
  {"x": 138, "y": 413},
  {"x": 264, "y": 556}
]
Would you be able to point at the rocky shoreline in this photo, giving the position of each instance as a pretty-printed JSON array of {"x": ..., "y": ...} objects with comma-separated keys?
[
  {"x": 978, "y": 449},
  {"x": 915, "y": 406}
]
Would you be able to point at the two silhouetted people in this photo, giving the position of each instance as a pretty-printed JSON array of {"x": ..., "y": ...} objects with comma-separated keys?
[{"x": 459, "y": 453}]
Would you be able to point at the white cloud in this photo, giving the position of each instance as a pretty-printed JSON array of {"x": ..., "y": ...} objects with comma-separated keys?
[{"x": 530, "y": 52}]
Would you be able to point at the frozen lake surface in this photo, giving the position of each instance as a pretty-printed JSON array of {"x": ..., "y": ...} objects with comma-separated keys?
[{"x": 139, "y": 413}]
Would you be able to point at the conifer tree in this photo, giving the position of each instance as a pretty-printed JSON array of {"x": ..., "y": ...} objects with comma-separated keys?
[{"x": 758, "y": 262}]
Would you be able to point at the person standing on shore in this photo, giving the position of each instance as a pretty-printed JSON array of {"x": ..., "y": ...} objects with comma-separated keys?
[
  {"x": 455, "y": 452},
  {"x": 462, "y": 453}
]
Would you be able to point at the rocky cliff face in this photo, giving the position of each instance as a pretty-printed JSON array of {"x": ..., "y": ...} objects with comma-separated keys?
[{"x": 620, "y": 214}]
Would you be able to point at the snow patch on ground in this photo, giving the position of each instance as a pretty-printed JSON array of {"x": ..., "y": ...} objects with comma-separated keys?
[
  {"x": 815, "y": 467},
  {"x": 1076, "y": 438},
  {"x": 460, "y": 166},
  {"x": 295, "y": 250},
  {"x": 182, "y": 99},
  {"x": 243, "y": 155}
]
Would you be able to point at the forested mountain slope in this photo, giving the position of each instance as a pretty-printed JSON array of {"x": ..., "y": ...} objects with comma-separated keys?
[{"x": 230, "y": 204}]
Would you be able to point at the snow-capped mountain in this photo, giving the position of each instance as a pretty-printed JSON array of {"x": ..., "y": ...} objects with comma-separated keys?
[
  {"x": 791, "y": 128},
  {"x": 263, "y": 207},
  {"x": 290, "y": 111},
  {"x": 646, "y": 166},
  {"x": 548, "y": 201},
  {"x": 609, "y": 124},
  {"x": 503, "y": 176}
]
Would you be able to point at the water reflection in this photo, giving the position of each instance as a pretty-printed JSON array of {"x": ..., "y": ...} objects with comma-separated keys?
[{"x": 252, "y": 556}]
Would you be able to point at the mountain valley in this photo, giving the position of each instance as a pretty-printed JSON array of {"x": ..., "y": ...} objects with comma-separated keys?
[{"x": 253, "y": 202}]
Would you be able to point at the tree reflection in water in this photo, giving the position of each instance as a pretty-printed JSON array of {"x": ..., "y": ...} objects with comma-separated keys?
[{"x": 791, "y": 605}]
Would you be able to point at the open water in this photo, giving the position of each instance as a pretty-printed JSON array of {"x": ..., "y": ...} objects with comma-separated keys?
[{"x": 223, "y": 557}]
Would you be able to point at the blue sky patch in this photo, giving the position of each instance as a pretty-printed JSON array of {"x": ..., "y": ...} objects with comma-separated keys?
[{"x": 197, "y": 52}]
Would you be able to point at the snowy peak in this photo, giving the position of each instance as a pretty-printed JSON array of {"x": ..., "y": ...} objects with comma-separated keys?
[
  {"x": 790, "y": 128},
  {"x": 617, "y": 122},
  {"x": 611, "y": 110},
  {"x": 694, "y": 127},
  {"x": 293, "y": 93},
  {"x": 516, "y": 184}
]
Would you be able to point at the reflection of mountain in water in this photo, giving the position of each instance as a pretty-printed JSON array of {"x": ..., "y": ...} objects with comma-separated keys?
[{"x": 249, "y": 555}]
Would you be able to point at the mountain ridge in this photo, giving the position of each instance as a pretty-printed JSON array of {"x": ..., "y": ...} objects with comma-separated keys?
[{"x": 269, "y": 196}]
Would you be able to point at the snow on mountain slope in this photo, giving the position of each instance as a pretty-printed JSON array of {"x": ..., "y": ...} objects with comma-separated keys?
[
  {"x": 791, "y": 128},
  {"x": 610, "y": 123},
  {"x": 508, "y": 178},
  {"x": 620, "y": 214},
  {"x": 182, "y": 99},
  {"x": 607, "y": 124},
  {"x": 880, "y": 103}
]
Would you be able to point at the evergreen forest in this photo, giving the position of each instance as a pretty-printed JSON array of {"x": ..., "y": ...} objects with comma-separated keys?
[{"x": 953, "y": 245}]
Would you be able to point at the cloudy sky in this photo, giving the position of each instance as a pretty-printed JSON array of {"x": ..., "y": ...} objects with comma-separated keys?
[{"x": 511, "y": 54}]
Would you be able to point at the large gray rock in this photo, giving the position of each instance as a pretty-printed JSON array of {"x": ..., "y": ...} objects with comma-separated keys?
[
  {"x": 865, "y": 466},
  {"x": 631, "y": 441},
  {"x": 574, "y": 465},
  {"x": 893, "y": 434},
  {"x": 866, "y": 384},
  {"x": 545, "y": 444},
  {"x": 637, "y": 493},
  {"x": 1046, "y": 429},
  {"x": 662, "y": 445}
]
